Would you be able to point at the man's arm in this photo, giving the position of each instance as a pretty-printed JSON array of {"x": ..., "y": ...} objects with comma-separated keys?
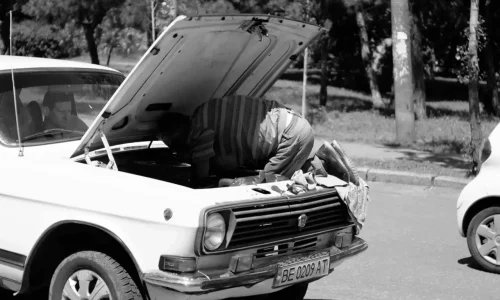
[
  {"x": 202, "y": 143},
  {"x": 200, "y": 171}
]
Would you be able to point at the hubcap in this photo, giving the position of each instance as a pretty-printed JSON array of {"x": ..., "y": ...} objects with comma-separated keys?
[
  {"x": 85, "y": 285},
  {"x": 488, "y": 239}
]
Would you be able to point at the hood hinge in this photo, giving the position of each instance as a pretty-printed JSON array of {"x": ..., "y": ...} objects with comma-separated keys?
[
  {"x": 256, "y": 26},
  {"x": 111, "y": 164}
]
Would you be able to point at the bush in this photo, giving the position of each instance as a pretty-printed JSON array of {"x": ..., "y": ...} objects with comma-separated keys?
[
  {"x": 41, "y": 40},
  {"x": 125, "y": 42}
]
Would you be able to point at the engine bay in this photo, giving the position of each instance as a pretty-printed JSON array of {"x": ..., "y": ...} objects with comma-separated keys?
[{"x": 161, "y": 163}]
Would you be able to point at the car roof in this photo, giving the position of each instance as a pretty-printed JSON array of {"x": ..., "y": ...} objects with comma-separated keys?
[{"x": 25, "y": 62}]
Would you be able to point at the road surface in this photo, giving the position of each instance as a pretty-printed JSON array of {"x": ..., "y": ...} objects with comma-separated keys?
[{"x": 414, "y": 252}]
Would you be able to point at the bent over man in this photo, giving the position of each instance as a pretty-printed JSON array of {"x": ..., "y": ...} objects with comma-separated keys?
[{"x": 231, "y": 134}]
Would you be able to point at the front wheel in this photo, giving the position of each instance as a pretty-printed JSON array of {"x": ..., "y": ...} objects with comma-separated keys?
[
  {"x": 483, "y": 239},
  {"x": 90, "y": 275}
]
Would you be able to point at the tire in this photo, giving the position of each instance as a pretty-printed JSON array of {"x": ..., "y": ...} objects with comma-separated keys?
[
  {"x": 94, "y": 272},
  {"x": 295, "y": 292},
  {"x": 485, "y": 245}
]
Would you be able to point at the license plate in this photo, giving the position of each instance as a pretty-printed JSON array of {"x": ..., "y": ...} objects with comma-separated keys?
[{"x": 290, "y": 273}]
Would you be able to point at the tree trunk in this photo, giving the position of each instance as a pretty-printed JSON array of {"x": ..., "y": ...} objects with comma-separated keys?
[
  {"x": 379, "y": 54},
  {"x": 419, "y": 95},
  {"x": 4, "y": 34},
  {"x": 199, "y": 8},
  {"x": 366, "y": 56},
  {"x": 175, "y": 8},
  {"x": 153, "y": 23},
  {"x": 91, "y": 45},
  {"x": 403, "y": 90},
  {"x": 323, "y": 94},
  {"x": 473, "y": 69},
  {"x": 305, "y": 9},
  {"x": 149, "y": 36},
  {"x": 109, "y": 54},
  {"x": 493, "y": 105}
]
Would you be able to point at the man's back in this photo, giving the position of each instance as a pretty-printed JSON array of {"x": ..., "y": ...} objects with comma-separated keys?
[{"x": 245, "y": 128}]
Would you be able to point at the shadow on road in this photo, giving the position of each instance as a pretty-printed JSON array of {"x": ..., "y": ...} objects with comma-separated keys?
[
  {"x": 444, "y": 160},
  {"x": 471, "y": 263},
  {"x": 447, "y": 160}
]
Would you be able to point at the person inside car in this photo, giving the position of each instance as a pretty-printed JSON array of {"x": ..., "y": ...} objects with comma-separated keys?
[
  {"x": 57, "y": 109},
  {"x": 229, "y": 134},
  {"x": 8, "y": 126}
]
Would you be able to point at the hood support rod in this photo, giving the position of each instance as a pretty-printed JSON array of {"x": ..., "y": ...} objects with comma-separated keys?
[{"x": 112, "y": 163}]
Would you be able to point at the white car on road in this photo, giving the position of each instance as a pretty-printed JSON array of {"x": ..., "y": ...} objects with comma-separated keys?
[
  {"x": 109, "y": 213},
  {"x": 478, "y": 208}
]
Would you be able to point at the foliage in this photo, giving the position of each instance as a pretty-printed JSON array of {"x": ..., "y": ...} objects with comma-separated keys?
[
  {"x": 125, "y": 26},
  {"x": 462, "y": 54},
  {"x": 124, "y": 42},
  {"x": 33, "y": 39},
  {"x": 87, "y": 14},
  {"x": 63, "y": 11}
]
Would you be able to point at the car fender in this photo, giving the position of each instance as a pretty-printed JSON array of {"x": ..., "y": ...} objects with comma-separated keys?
[
  {"x": 132, "y": 207},
  {"x": 481, "y": 191}
]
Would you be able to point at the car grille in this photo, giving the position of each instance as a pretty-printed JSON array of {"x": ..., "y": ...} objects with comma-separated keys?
[
  {"x": 287, "y": 248},
  {"x": 267, "y": 222}
]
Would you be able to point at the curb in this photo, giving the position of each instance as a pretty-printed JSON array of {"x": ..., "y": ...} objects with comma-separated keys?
[{"x": 410, "y": 178}]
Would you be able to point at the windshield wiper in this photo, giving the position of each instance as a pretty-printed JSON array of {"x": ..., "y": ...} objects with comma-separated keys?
[{"x": 51, "y": 132}]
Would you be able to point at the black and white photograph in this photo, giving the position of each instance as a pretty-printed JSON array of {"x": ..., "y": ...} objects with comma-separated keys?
[{"x": 249, "y": 149}]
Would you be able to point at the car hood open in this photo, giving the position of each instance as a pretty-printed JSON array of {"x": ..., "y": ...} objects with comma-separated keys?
[{"x": 196, "y": 59}]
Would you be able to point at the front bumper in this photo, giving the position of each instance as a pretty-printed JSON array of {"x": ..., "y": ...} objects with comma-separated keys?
[
  {"x": 470, "y": 194},
  {"x": 202, "y": 283}
]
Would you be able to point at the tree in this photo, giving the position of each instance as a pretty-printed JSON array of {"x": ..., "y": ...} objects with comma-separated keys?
[
  {"x": 473, "y": 69},
  {"x": 401, "y": 47},
  {"x": 5, "y": 7},
  {"x": 137, "y": 14},
  {"x": 305, "y": 8},
  {"x": 492, "y": 104},
  {"x": 417, "y": 62},
  {"x": 112, "y": 28},
  {"x": 319, "y": 12},
  {"x": 87, "y": 14},
  {"x": 367, "y": 57}
]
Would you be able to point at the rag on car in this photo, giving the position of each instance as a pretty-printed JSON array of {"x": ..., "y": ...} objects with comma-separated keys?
[{"x": 331, "y": 167}]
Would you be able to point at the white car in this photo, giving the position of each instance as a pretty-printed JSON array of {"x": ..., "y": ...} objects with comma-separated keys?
[
  {"x": 478, "y": 208},
  {"x": 109, "y": 213}
]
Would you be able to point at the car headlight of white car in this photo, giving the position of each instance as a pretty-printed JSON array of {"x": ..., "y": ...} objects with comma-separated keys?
[{"x": 215, "y": 232}]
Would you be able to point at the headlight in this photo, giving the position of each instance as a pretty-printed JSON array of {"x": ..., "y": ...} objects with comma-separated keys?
[{"x": 216, "y": 231}]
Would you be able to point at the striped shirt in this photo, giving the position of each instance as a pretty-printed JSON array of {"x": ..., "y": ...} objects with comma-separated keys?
[{"x": 236, "y": 130}]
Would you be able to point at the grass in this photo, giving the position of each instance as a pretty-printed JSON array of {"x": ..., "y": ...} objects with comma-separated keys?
[
  {"x": 124, "y": 64},
  {"x": 349, "y": 117}
]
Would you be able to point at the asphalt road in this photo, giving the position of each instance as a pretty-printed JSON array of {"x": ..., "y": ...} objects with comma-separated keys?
[{"x": 415, "y": 252}]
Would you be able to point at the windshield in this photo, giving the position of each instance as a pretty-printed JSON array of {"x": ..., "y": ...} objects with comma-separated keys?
[{"x": 53, "y": 105}]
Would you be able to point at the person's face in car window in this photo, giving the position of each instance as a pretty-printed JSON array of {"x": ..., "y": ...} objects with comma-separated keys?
[{"x": 60, "y": 113}]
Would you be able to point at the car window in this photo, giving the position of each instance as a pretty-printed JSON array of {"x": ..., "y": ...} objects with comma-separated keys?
[{"x": 52, "y": 106}]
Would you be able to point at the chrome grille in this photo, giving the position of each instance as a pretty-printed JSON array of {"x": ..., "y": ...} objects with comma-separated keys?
[{"x": 267, "y": 222}]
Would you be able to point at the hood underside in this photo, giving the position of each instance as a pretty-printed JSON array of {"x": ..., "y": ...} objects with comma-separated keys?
[{"x": 196, "y": 59}]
